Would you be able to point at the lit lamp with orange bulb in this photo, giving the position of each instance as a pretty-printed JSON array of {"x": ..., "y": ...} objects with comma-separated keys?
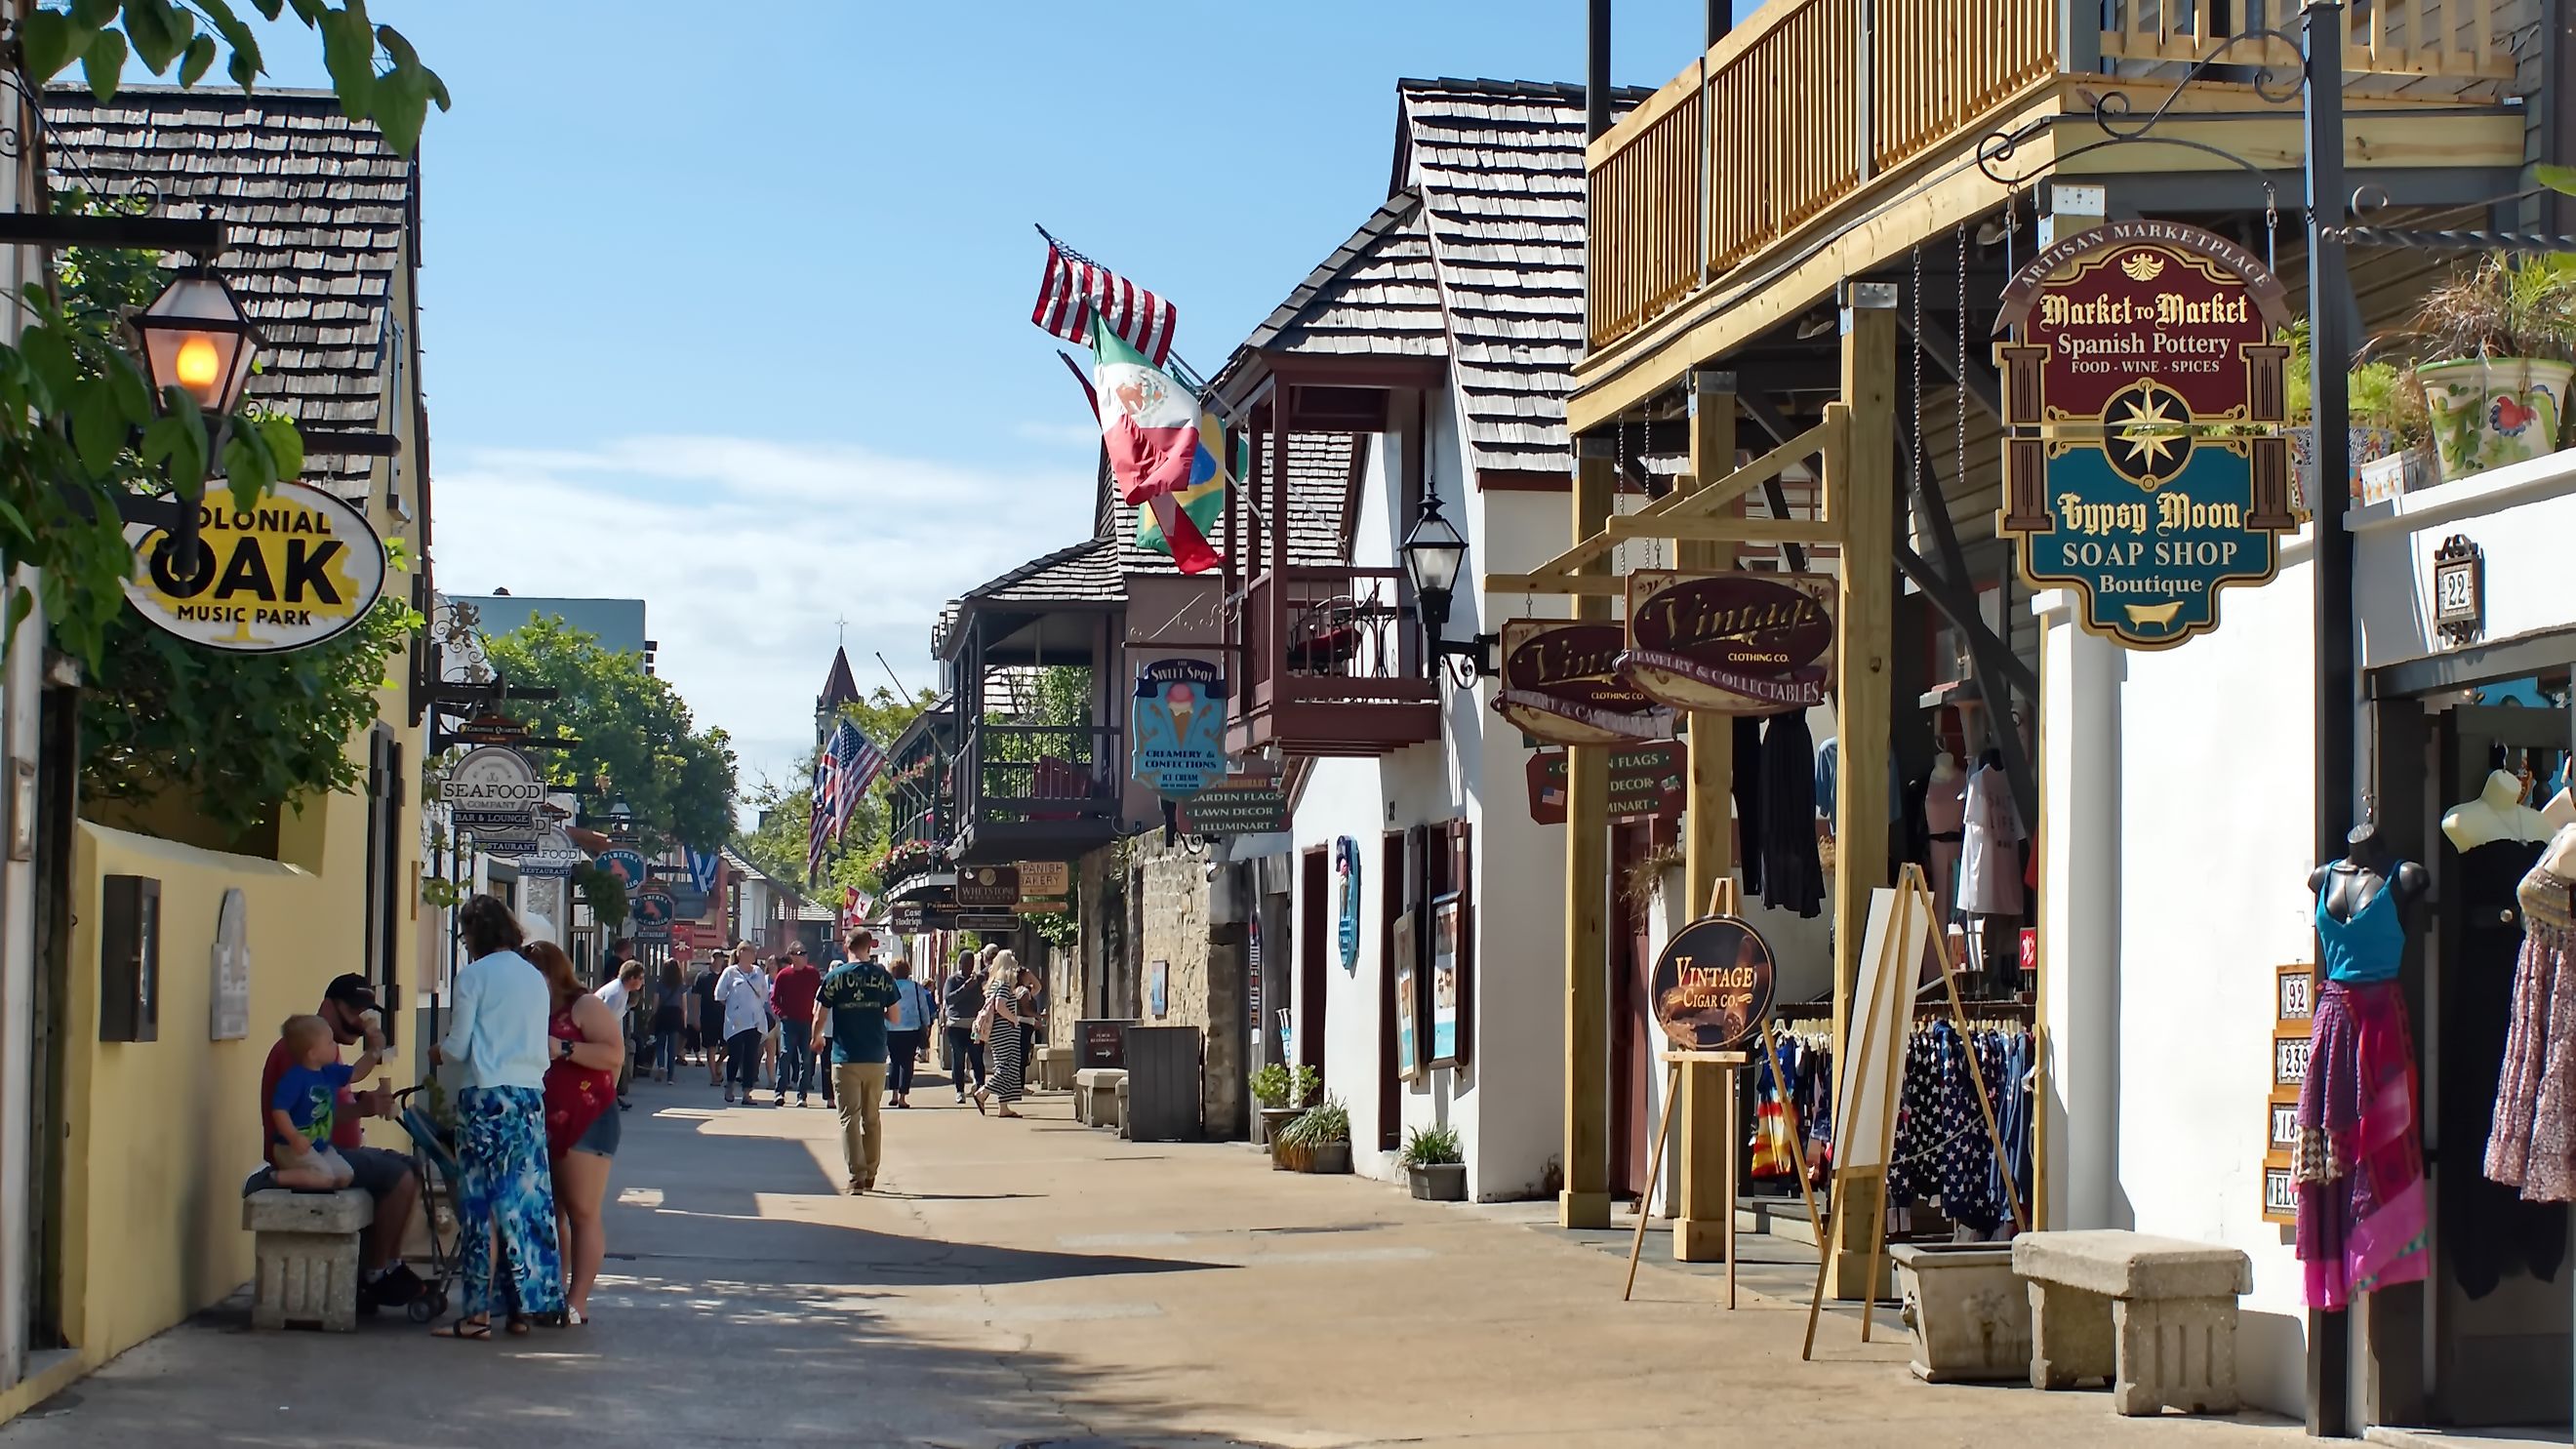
[{"x": 197, "y": 338}]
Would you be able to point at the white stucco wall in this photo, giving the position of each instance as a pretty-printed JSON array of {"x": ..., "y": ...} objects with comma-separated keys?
[{"x": 2176, "y": 845}]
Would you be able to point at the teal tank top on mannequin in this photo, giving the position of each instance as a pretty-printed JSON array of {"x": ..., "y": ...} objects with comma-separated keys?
[{"x": 2366, "y": 948}]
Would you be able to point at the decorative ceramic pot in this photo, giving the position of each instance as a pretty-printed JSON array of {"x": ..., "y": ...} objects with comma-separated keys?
[
  {"x": 1969, "y": 1313},
  {"x": 1274, "y": 1118},
  {"x": 2491, "y": 412}
]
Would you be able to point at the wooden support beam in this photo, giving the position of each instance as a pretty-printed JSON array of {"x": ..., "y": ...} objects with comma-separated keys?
[
  {"x": 1704, "y": 1211},
  {"x": 1603, "y": 586},
  {"x": 1860, "y": 494},
  {"x": 1725, "y": 529},
  {"x": 1585, "y": 1200}
]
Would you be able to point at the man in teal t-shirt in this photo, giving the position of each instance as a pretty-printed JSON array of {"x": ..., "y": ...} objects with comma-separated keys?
[{"x": 857, "y": 994}]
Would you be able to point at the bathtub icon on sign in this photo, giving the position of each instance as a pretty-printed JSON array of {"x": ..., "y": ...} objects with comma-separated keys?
[{"x": 2162, "y": 616}]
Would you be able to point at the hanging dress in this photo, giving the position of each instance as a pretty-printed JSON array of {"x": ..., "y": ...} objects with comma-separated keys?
[
  {"x": 1990, "y": 869},
  {"x": 2491, "y": 1232},
  {"x": 2362, "y": 1223},
  {"x": 1793, "y": 873},
  {"x": 2533, "y": 1145}
]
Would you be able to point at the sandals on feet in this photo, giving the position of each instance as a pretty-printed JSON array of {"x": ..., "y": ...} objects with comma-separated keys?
[{"x": 465, "y": 1330}]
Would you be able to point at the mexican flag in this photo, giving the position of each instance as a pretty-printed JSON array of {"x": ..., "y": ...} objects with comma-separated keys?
[
  {"x": 1202, "y": 503},
  {"x": 1152, "y": 429}
]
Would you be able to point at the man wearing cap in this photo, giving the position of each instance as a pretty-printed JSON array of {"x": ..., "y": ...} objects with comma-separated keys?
[{"x": 349, "y": 1009}]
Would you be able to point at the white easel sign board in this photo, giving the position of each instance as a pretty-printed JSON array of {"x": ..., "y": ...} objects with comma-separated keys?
[{"x": 1870, "y": 1069}]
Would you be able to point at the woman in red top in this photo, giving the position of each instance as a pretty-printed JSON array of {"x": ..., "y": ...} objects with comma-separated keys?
[{"x": 581, "y": 1118}]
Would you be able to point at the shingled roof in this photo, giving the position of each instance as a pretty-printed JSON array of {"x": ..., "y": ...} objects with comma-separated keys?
[
  {"x": 319, "y": 211},
  {"x": 1500, "y": 168},
  {"x": 1322, "y": 468},
  {"x": 1082, "y": 573},
  {"x": 1376, "y": 295}
]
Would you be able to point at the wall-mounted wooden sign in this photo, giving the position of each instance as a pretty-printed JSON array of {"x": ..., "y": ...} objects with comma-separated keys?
[
  {"x": 1647, "y": 782},
  {"x": 1734, "y": 643},
  {"x": 1561, "y": 684}
]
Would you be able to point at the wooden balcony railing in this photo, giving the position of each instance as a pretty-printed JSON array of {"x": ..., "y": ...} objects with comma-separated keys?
[
  {"x": 1333, "y": 635},
  {"x": 1027, "y": 774},
  {"x": 1805, "y": 102}
]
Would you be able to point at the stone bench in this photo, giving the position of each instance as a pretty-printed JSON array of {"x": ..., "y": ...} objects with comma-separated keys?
[
  {"x": 1118, "y": 1108},
  {"x": 1051, "y": 1069},
  {"x": 1095, "y": 1093},
  {"x": 2155, "y": 1316},
  {"x": 306, "y": 1249}
]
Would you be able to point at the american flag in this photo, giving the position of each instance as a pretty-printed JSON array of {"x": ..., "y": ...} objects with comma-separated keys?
[
  {"x": 848, "y": 764},
  {"x": 1075, "y": 287}
]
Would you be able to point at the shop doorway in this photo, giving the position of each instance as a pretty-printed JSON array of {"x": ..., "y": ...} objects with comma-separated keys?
[
  {"x": 1632, "y": 1044},
  {"x": 1314, "y": 894},
  {"x": 2497, "y": 1321}
]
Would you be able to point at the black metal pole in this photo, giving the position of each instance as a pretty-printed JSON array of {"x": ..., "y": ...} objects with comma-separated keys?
[
  {"x": 1596, "y": 70},
  {"x": 1721, "y": 19},
  {"x": 2330, "y": 312}
]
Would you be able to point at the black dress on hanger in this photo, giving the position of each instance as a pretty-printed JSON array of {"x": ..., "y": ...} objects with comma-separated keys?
[{"x": 1793, "y": 873}]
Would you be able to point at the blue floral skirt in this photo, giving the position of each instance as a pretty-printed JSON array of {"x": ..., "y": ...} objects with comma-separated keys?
[{"x": 505, "y": 1191}]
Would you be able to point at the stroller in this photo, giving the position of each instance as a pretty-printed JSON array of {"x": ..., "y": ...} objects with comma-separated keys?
[{"x": 433, "y": 1146}]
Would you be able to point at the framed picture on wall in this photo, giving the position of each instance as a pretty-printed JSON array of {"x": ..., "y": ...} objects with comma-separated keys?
[
  {"x": 1448, "y": 984},
  {"x": 1409, "y": 1062},
  {"x": 1158, "y": 989}
]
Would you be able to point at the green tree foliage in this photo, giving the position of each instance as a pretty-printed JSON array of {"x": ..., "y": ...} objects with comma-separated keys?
[
  {"x": 241, "y": 735},
  {"x": 79, "y": 425},
  {"x": 638, "y": 741},
  {"x": 374, "y": 70}
]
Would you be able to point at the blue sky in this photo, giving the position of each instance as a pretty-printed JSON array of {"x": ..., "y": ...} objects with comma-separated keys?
[{"x": 727, "y": 305}]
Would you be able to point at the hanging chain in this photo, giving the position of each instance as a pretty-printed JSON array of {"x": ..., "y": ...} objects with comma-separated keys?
[
  {"x": 2271, "y": 229},
  {"x": 1916, "y": 425},
  {"x": 1959, "y": 391}
]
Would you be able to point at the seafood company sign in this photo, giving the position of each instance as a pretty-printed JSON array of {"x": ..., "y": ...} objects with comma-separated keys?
[{"x": 2143, "y": 378}]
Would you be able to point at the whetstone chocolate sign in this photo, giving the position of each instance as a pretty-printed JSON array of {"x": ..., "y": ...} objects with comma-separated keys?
[
  {"x": 1736, "y": 643},
  {"x": 2145, "y": 359},
  {"x": 1561, "y": 684}
]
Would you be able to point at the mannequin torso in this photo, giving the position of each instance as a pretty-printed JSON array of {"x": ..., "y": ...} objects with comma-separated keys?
[{"x": 2497, "y": 814}]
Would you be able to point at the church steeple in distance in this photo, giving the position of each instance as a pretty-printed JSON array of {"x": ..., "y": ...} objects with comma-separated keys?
[{"x": 839, "y": 688}]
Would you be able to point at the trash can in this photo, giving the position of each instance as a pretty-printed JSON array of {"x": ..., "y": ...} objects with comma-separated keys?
[{"x": 1162, "y": 1083}]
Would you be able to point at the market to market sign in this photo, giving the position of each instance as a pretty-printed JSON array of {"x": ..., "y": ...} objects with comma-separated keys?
[
  {"x": 2144, "y": 390},
  {"x": 298, "y": 569}
]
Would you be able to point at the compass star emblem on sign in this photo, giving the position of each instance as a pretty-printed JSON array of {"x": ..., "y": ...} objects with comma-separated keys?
[{"x": 2147, "y": 433}]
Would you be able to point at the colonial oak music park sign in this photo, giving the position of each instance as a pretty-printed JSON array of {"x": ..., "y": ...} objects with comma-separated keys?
[
  {"x": 2144, "y": 466},
  {"x": 301, "y": 567}
]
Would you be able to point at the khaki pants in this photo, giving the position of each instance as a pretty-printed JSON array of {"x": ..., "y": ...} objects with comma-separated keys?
[{"x": 856, "y": 1089}]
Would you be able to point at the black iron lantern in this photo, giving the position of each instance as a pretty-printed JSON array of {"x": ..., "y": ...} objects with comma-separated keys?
[
  {"x": 1434, "y": 552},
  {"x": 197, "y": 338}
]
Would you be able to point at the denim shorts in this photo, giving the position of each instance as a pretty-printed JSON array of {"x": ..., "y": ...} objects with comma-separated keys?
[{"x": 603, "y": 1134}]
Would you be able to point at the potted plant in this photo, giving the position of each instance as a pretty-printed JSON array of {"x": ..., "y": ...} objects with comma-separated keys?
[
  {"x": 1281, "y": 1094},
  {"x": 1318, "y": 1141},
  {"x": 2389, "y": 434},
  {"x": 1434, "y": 1164},
  {"x": 2499, "y": 339}
]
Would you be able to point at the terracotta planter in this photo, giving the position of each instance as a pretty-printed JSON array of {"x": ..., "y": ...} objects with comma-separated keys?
[
  {"x": 1289, "y": 1157},
  {"x": 2490, "y": 412},
  {"x": 1968, "y": 1312},
  {"x": 1439, "y": 1181},
  {"x": 1274, "y": 1118}
]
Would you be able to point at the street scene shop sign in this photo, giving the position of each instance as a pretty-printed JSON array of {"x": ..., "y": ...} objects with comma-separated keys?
[
  {"x": 1647, "y": 782},
  {"x": 1735, "y": 643},
  {"x": 1561, "y": 684},
  {"x": 1712, "y": 985},
  {"x": 2146, "y": 471},
  {"x": 496, "y": 794},
  {"x": 300, "y": 568},
  {"x": 988, "y": 885},
  {"x": 1237, "y": 805},
  {"x": 1180, "y": 727}
]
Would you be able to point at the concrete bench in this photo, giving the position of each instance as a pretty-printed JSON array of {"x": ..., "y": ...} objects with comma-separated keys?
[
  {"x": 1051, "y": 1069},
  {"x": 306, "y": 1250},
  {"x": 1095, "y": 1091},
  {"x": 1118, "y": 1108},
  {"x": 2155, "y": 1316}
]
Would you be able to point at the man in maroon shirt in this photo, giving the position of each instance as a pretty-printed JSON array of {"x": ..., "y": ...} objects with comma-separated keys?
[
  {"x": 791, "y": 995},
  {"x": 349, "y": 1008}
]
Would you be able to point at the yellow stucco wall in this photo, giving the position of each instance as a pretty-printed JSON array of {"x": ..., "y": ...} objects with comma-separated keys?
[{"x": 163, "y": 1132}]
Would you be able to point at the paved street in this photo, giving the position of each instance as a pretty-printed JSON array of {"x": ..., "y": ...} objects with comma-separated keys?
[{"x": 1036, "y": 1282}]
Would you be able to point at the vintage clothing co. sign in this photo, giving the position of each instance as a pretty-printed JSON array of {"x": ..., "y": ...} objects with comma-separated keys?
[
  {"x": 1712, "y": 985},
  {"x": 1561, "y": 684},
  {"x": 2140, "y": 472},
  {"x": 1736, "y": 643},
  {"x": 1180, "y": 727},
  {"x": 299, "y": 568}
]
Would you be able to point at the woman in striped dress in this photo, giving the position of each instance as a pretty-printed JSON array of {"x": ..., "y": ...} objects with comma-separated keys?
[{"x": 1001, "y": 986}]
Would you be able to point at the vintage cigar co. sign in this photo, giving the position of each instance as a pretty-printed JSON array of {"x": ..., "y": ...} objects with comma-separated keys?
[
  {"x": 1561, "y": 684},
  {"x": 1712, "y": 985},
  {"x": 2133, "y": 344},
  {"x": 1736, "y": 643}
]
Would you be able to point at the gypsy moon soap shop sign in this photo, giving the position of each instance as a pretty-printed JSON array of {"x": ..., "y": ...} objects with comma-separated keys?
[
  {"x": 2145, "y": 471},
  {"x": 1180, "y": 727},
  {"x": 299, "y": 568}
]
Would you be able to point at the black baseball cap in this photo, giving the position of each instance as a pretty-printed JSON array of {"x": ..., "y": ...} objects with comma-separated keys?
[{"x": 351, "y": 990}]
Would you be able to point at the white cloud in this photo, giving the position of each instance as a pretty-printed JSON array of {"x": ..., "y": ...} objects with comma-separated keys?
[
  {"x": 1083, "y": 437},
  {"x": 747, "y": 551}
]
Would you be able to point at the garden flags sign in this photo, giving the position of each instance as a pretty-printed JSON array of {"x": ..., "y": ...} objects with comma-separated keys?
[
  {"x": 1154, "y": 431},
  {"x": 842, "y": 773},
  {"x": 1076, "y": 290}
]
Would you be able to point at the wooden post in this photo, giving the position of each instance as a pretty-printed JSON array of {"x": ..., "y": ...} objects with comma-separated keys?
[
  {"x": 1860, "y": 496},
  {"x": 1585, "y": 1200},
  {"x": 1707, "y": 1097}
]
